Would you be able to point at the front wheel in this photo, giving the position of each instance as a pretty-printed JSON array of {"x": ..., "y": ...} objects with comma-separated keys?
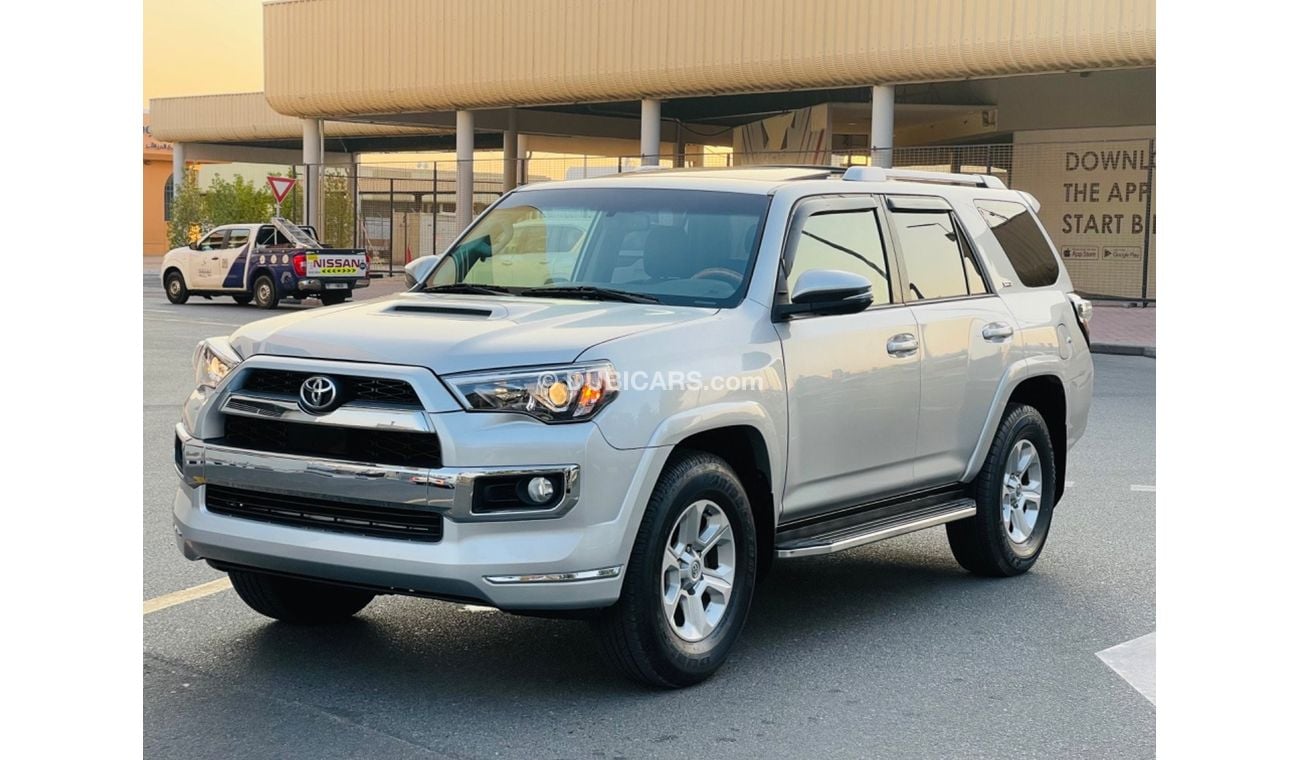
[
  {"x": 174, "y": 283},
  {"x": 689, "y": 580},
  {"x": 264, "y": 293},
  {"x": 1014, "y": 496},
  {"x": 292, "y": 600}
]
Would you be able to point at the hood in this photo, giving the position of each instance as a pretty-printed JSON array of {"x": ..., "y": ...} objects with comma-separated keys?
[{"x": 456, "y": 333}]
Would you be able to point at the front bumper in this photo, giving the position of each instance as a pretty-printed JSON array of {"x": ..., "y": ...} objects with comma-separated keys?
[{"x": 567, "y": 557}]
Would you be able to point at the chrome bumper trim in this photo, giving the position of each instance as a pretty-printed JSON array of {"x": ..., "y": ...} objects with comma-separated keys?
[
  {"x": 582, "y": 575},
  {"x": 449, "y": 490}
]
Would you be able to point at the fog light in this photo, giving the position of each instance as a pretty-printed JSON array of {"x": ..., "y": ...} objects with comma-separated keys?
[{"x": 540, "y": 490}]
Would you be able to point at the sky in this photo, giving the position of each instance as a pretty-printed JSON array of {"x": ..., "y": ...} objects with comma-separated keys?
[{"x": 201, "y": 47}]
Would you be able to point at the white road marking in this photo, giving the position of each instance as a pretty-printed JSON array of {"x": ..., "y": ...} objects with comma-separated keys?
[
  {"x": 1143, "y": 489},
  {"x": 186, "y": 595},
  {"x": 190, "y": 321},
  {"x": 1069, "y": 484},
  {"x": 1135, "y": 662},
  {"x": 477, "y": 608}
]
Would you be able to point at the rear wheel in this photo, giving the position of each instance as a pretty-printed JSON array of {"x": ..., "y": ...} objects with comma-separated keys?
[
  {"x": 174, "y": 283},
  {"x": 334, "y": 298},
  {"x": 689, "y": 579},
  {"x": 243, "y": 300},
  {"x": 1014, "y": 496},
  {"x": 264, "y": 293},
  {"x": 297, "y": 601}
]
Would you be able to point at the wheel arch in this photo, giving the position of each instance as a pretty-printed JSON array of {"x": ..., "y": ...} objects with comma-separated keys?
[
  {"x": 1037, "y": 384},
  {"x": 743, "y": 447}
]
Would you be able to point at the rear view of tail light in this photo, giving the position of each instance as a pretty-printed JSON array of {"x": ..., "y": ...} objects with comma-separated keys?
[{"x": 300, "y": 264}]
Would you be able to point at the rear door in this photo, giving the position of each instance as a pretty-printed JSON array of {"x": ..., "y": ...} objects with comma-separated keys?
[
  {"x": 852, "y": 379},
  {"x": 967, "y": 335}
]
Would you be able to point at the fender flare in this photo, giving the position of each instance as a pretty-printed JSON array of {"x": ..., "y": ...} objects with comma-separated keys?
[{"x": 1018, "y": 372}]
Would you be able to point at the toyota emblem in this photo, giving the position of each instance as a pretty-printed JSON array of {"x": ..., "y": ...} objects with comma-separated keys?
[{"x": 318, "y": 394}]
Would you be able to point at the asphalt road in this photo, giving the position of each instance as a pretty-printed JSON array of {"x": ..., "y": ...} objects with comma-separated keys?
[{"x": 888, "y": 651}]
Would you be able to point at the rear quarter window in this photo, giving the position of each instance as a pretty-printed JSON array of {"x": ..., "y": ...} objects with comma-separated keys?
[{"x": 1022, "y": 240}]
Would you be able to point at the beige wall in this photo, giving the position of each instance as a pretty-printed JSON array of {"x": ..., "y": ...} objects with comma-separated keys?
[{"x": 386, "y": 56}]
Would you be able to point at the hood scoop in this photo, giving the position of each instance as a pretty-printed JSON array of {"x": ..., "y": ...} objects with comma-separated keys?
[{"x": 445, "y": 311}]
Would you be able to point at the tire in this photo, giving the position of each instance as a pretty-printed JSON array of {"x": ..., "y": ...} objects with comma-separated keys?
[
  {"x": 1001, "y": 542},
  {"x": 334, "y": 298},
  {"x": 174, "y": 284},
  {"x": 243, "y": 300},
  {"x": 265, "y": 296},
  {"x": 297, "y": 601},
  {"x": 638, "y": 635}
]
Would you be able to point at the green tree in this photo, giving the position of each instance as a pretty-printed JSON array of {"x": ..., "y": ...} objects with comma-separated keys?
[
  {"x": 338, "y": 217},
  {"x": 238, "y": 201},
  {"x": 189, "y": 212}
]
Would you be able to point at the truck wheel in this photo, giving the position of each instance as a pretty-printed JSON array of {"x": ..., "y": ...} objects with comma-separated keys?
[
  {"x": 243, "y": 300},
  {"x": 334, "y": 298},
  {"x": 264, "y": 293},
  {"x": 174, "y": 283},
  {"x": 297, "y": 601},
  {"x": 689, "y": 580},
  {"x": 1014, "y": 496}
]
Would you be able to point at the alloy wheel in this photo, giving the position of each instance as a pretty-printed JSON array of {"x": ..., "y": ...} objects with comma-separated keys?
[{"x": 699, "y": 570}]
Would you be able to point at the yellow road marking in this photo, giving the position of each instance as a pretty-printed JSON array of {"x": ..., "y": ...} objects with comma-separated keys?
[{"x": 186, "y": 595}]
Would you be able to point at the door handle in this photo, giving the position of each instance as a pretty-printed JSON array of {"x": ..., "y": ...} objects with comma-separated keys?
[
  {"x": 903, "y": 344},
  {"x": 997, "y": 331}
]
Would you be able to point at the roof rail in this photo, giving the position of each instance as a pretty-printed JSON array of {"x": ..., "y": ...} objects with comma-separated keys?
[{"x": 880, "y": 174}]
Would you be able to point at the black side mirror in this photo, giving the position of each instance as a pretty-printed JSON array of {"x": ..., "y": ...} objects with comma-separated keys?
[{"x": 827, "y": 291}]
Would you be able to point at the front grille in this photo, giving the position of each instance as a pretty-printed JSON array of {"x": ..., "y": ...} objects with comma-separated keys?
[
  {"x": 338, "y": 516},
  {"x": 394, "y": 447},
  {"x": 351, "y": 387}
]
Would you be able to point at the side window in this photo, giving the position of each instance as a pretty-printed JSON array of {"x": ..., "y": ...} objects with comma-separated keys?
[
  {"x": 215, "y": 239},
  {"x": 846, "y": 240},
  {"x": 265, "y": 235},
  {"x": 237, "y": 238},
  {"x": 932, "y": 255},
  {"x": 1022, "y": 240}
]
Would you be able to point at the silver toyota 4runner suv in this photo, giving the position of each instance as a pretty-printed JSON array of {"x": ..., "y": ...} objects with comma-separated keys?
[{"x": 624, "y": 398}]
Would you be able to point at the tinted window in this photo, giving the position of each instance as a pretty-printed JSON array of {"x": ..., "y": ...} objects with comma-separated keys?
[
  {"x": 684, "y": 247},
  {"x": 845, "y": 240},
  {"x": 1022, "y": 240},
  {"x": 215, "y": 239},
  {"x": 931, "y": 254}
]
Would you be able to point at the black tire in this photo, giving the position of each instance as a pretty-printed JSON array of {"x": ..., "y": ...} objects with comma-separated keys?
[
  {"x": 243, "y": 300},
  {"x": 983, "y": 544},
  {"x": 635, "y": 635},
  {"x": 334, "y": 298},
  {"x": 265, "y": 295},
  {"x": 174, "y": 284},
  {"x": 298, "y": 601}
]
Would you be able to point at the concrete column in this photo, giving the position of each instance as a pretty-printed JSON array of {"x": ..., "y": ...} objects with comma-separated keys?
[
  {"x": 464, "y": 169},
  {"x": 882, "y": 125},
  {"x": 313, "y": 157},
  {"x": 510, "y": 152},
  {"x": 356, "y": 200},
  {"x": 649, "y": 132},
  {"x": 178, "y": 168}
]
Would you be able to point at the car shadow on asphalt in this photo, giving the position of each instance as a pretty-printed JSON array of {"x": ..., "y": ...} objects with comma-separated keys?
[{"x": 411, "y": 649}]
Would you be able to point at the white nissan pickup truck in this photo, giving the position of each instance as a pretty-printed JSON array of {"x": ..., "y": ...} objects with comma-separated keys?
[
  {"x": 262, "y": 263},
  {"x": 624, "y": 398}
]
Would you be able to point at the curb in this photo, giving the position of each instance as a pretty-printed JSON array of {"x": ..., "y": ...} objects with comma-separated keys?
[{"x": 1123, "y": 349}]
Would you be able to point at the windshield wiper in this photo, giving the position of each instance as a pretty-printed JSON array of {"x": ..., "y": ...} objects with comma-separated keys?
[
  {"x": 469, "y": 288},
  {"x": 589, "y": 292}
]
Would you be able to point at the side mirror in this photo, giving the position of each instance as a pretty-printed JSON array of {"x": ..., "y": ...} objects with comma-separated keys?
[
  {"x": 420, "y": 268},
  {"x": 827, "y": 291}
]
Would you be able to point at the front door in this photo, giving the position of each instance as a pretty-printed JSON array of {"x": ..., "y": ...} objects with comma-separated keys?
[
  {"x": 852, "y": 379},
  {"x": 206, "y": 272}
]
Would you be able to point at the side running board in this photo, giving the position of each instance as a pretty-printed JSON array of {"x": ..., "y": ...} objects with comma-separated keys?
[{"x": 877, "y": 529}]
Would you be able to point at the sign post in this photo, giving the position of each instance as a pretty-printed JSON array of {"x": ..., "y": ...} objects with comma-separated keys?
[{"x": 280, "y": 187}]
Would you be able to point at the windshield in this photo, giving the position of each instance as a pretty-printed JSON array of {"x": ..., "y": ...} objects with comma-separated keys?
[{"x": 680, "y": 247}]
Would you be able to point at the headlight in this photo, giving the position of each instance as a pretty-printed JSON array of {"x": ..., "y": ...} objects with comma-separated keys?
[
  {"x": 213, "y": 360},
  {"x": 551, "y": 394}
]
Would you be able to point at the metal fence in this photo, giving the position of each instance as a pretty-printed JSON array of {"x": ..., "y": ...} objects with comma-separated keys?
[{"x": 1097, "y": 199}]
